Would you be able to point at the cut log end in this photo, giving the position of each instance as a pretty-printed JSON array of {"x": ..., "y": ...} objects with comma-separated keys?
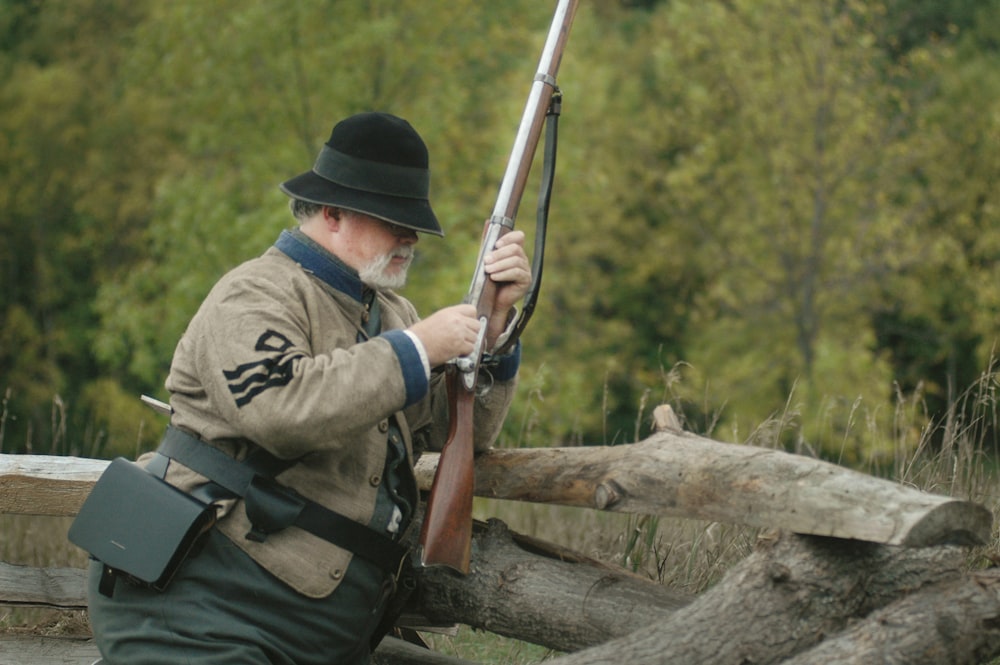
[{"x": 957, "y": 522}]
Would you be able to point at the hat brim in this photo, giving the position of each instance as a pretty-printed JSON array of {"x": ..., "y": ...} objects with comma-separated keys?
[{"x": 410, "y": 213}]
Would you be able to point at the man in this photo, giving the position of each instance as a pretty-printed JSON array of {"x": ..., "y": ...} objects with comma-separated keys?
[{"x": 307, "y": 353}]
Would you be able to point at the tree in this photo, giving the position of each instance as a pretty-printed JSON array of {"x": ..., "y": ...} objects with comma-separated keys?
[
  {"x": 940, "y": 329},
  {"x": 767, "y": 197},
  {"x": 59, "y": 235},
  {"x": 761, "y": 208}
]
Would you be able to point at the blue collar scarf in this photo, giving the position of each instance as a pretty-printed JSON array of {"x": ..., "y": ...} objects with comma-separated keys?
[{"x": 315, "y": 259}]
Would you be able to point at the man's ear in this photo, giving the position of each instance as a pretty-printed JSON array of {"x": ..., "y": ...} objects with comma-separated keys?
[{"x": 332, "y": 217}]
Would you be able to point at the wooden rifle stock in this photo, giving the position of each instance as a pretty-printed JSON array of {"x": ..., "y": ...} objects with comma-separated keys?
[
  {"x": 443, "y": 533},
  {"x": 446, "y": 535}
]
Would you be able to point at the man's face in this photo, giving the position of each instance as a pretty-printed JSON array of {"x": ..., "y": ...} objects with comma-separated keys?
[{"x": 382, "y": 251}]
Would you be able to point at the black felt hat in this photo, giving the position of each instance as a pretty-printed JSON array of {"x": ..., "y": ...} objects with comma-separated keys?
[{"x": 374, "y": 163}]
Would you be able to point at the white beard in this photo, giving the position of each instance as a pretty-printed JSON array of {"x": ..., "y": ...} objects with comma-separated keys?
[{"x": 374, "y": 275}]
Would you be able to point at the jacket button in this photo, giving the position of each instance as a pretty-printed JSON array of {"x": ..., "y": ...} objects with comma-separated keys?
[
  {"x": 375, "y": 480},
  {"x": 336, "y": 573},
  {"x": 383, "y": 426}
]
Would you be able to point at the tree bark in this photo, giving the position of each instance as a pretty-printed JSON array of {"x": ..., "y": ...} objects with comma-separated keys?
[
  {"x": 786, "y": 597},
  {"x": 953, "y": 623},
  {"x": 684, "y": 475},
  {"x": 525, "y": 589}
]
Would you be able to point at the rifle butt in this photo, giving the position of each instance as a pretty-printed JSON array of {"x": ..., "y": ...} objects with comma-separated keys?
[{"x": 446, "y": 534}]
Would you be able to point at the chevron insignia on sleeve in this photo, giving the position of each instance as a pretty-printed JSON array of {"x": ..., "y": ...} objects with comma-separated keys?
[{"x": 250, "y": 379}]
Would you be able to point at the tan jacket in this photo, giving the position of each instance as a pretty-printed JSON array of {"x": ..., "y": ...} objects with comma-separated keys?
[{"x": 271, "y": 357}]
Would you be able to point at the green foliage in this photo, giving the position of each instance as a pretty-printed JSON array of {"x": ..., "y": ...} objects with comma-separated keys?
[
  {"x": 28, "y": 373},
  {"x": 120, "y": 424},
  {"x": 778, "y": 156},
  {"x": 777, "y": 216}
]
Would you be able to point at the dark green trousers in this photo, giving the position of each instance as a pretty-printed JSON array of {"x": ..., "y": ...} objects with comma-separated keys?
[{"x": 222, "y": 608}]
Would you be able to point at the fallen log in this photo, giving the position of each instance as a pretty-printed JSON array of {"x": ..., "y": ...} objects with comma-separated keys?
[
  {"x": 531, "y": 591},
  {"x": 684, "y": 475},
  {"x": 787, "y": 596},
  {"x": 670, "y": 473},
  {"x": 953, "y": 623}
]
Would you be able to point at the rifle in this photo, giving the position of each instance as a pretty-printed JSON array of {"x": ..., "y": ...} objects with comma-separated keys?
[{"x": 446, "y": 535}]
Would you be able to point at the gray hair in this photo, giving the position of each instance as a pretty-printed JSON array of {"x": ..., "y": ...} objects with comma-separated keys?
[{"x": 303, "y": 210}]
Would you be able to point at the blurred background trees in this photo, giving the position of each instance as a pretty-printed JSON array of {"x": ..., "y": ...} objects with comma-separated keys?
[{"x": 766, "y": 210}]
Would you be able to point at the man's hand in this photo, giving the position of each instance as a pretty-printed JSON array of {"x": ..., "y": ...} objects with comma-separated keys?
[
  {"x": 448, "y": 333},
  {"x": 451, "y": 332},
  {"x": 507, "y": 265}
]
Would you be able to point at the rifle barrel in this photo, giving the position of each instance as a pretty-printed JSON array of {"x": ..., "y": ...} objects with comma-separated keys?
[
  {"x": 445, "y": 538},
  {"x": 526, "y": 140},
  {"x": 522, "y": 153}
]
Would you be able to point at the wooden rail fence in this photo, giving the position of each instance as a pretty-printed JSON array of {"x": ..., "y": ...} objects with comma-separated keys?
[{"x": 671, "y": 473}]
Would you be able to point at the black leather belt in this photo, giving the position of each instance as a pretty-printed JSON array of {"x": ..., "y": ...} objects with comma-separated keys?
[{"x": 271, "y": 506}]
